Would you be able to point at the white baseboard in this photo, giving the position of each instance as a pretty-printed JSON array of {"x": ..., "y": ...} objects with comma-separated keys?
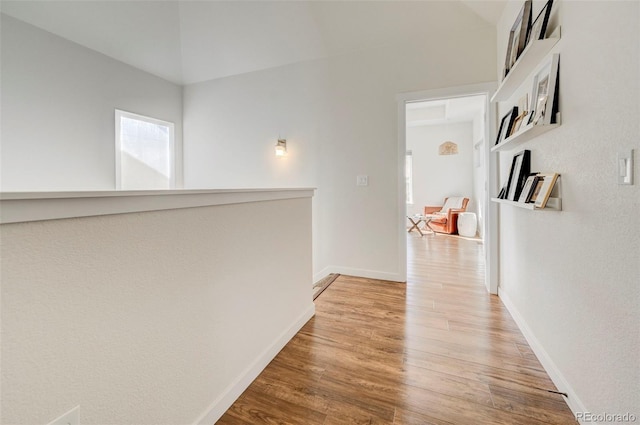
[
  {"x": 573, "y": 401},
  {"x": 321, "y": 274},
  {"x": 233, "y": 391},
  {"x": 370, "y": 274}
]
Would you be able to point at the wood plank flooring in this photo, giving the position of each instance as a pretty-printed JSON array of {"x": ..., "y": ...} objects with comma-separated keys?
[{"x": 437, "y": 350}]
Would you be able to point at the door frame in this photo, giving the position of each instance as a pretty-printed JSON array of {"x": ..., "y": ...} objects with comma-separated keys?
[{"x": 490, "y": 219}]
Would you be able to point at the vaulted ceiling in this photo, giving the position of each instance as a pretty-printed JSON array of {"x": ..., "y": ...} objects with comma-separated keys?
[{"x": 191, "y": 41}]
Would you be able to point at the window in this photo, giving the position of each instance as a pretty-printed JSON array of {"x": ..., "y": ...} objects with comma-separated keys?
[
  {"x": 408, "y": 173},
  {"x": 144, "y": 153}
]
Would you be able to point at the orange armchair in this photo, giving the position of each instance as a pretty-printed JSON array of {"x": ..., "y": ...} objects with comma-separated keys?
[{"x": 444, "y": 219}]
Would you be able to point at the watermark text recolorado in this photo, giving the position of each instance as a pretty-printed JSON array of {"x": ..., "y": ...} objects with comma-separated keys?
[{"x": 605, "y": 417}]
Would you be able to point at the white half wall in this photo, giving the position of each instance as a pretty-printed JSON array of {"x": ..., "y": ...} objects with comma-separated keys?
[
  {"x": 572, "y": 277},
  {"x": 160, "y": 317},
  {"x": 58, "y": 111},
  {"x": 436, "y": 177},
  {"x": 339, "y": 116}
]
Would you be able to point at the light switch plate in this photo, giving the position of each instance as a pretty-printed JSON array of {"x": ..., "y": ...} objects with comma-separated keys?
[
  {"x": 362, "y": 181},
  {"x": 72, "y": 417},
  {"x": 625, "y": 167}
]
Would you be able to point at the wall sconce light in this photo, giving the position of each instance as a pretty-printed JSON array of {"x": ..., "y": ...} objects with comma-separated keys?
[
  {"x": 448, "y": 148},
  {"x": 281, "y": 147}
]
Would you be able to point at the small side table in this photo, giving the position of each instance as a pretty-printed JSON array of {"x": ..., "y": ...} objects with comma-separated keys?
[
  {"x": 467, "y": 224},
  {"x": 416, "y": 220}
]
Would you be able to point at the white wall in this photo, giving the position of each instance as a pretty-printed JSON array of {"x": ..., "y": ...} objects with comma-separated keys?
[
  {"x": 58, "y": 111},
  {"x": 340, "y": 117},
  {"x": 151, "y": 317},
  {"x": 572, "y": 276},
  {"x": 436, "y": 177},
  {"x": 338, "y": 114},
  {"x": 479, "y": 170}
]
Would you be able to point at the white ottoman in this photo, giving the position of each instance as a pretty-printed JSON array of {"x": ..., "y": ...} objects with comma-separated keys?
[{"x": 467, "y": 224}]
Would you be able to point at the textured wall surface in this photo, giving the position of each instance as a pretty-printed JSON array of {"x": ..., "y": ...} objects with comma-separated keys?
[
  {"x": 573, "y": 275},
  {"x": 146, "y": 318}
]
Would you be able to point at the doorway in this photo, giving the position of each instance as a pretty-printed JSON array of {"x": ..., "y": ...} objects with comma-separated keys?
[{"x": 444, "y": 151}]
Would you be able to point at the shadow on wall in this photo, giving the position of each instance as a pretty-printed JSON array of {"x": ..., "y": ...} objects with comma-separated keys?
[{"x": 136, "y": 175}]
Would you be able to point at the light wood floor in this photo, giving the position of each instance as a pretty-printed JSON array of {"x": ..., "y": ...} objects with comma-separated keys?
[{"x": 438, "y": 350}]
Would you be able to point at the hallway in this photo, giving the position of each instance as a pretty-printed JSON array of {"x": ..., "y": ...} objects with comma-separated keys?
[{"x": 438, "y": 350}]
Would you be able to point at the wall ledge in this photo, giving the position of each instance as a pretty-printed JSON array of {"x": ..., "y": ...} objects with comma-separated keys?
[{"x": 19, "y": 207}]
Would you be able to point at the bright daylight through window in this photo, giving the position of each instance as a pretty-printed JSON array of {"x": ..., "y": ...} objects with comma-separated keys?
[{"x": 144, "y": 153}]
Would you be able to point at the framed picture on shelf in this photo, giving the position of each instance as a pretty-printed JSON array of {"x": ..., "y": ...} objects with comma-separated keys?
[
  {"x": 507, "y": 62},
  {"x": 544, "y": 96},
  {"x": 518, "y": 36},
  {"x": 519, "y": 171},
  {"x": 539, "y": 27},
  {"x": 536, "y": 189},
  {"x": 548, "y": 182},
  {"x": 506, "y": 124},
  {"x": 528, "y": 188},
  {"x": 523, "y": 107},
  {"x": 503, "y": 192},
  {"x": 518, "y": 123}
]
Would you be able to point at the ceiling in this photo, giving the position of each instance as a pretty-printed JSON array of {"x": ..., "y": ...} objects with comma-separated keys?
[
  {"x": 192, "y": 41},
  {"x": 436, "y": 112}
]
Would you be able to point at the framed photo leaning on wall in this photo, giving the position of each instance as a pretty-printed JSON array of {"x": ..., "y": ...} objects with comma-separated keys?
[
  {"x": 544, "y": 94},
  {"x": 506, "y": 125},
  {"x": 548, "y": 182},
  {"x": 539, "y": 27},
  {"x": 518, "y": 36},
  {"x": 520, "y": 166},
  {"x": 536, "y": 189},
  {"x": 528, "y": 188}
]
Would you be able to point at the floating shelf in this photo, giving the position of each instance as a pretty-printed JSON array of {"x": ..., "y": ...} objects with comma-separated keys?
[
  {"x": 525, "y": 134},
  {"x": 531, "y": 57},
  {"x": 553, "y": 204}
]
